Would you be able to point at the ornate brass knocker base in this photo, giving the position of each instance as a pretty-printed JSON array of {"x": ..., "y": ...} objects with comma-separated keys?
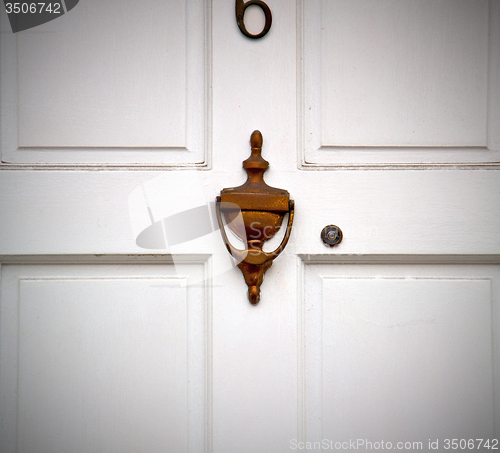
[
  {"x": 254, "y": 276},
  {"x": 263, "y": 209}
]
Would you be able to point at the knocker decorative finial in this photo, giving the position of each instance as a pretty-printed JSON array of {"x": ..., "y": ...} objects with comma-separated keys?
[{"x": 263, "y": 209}]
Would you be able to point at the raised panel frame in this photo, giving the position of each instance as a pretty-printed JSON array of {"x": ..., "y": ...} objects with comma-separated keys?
[
  {"x": 156, "y": 271},
  {"x": 195, "y": 152},
  {"x": 315, "y": 154},
  {"x": 484, "y": 270}
]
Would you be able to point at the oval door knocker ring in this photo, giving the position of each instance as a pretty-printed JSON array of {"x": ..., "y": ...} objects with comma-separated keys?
[{"x": 240, "y": 17}]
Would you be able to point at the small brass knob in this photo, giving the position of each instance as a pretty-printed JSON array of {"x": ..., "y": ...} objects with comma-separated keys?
[{"x": 331, "y": 235}]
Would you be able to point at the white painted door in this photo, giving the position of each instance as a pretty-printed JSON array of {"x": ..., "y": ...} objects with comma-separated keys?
[{"x": 380, "y": 117}]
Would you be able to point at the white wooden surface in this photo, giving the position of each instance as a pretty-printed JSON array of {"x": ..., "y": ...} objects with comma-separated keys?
[
  {"x": 88, "y": 89},
  {"x": 403, "y": 83},
  {"x": 107, "y": 357},
  {"x": 433, "y": 231},
  {"x": 399, "y": 352}
]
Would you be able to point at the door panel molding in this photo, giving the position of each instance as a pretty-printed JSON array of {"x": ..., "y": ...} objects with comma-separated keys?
[
  {"x": 365, "y": 285},
  {"x": 58, "y": 313},
  {"x": 340, "y": 73},
  {"x": 83, "y": 109},
  {"x": 399, "y": 259}
]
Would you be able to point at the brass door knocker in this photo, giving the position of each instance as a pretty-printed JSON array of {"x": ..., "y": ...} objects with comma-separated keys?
[{"x": 263, "y": 209}]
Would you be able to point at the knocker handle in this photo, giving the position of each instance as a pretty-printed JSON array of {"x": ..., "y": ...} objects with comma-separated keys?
[
  {"x": 254, "y": 256},
  {"x": 240, "y": 17}
]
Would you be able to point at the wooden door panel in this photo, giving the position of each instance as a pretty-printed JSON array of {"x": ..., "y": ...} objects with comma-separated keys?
[
  {"x": 400, "y": 84},
  {"x": 400, "y": 352},
  {"x": 128, "y": 97},
  {"x": 102, "y": 357},
  {"x": 109, "y": 85}
]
